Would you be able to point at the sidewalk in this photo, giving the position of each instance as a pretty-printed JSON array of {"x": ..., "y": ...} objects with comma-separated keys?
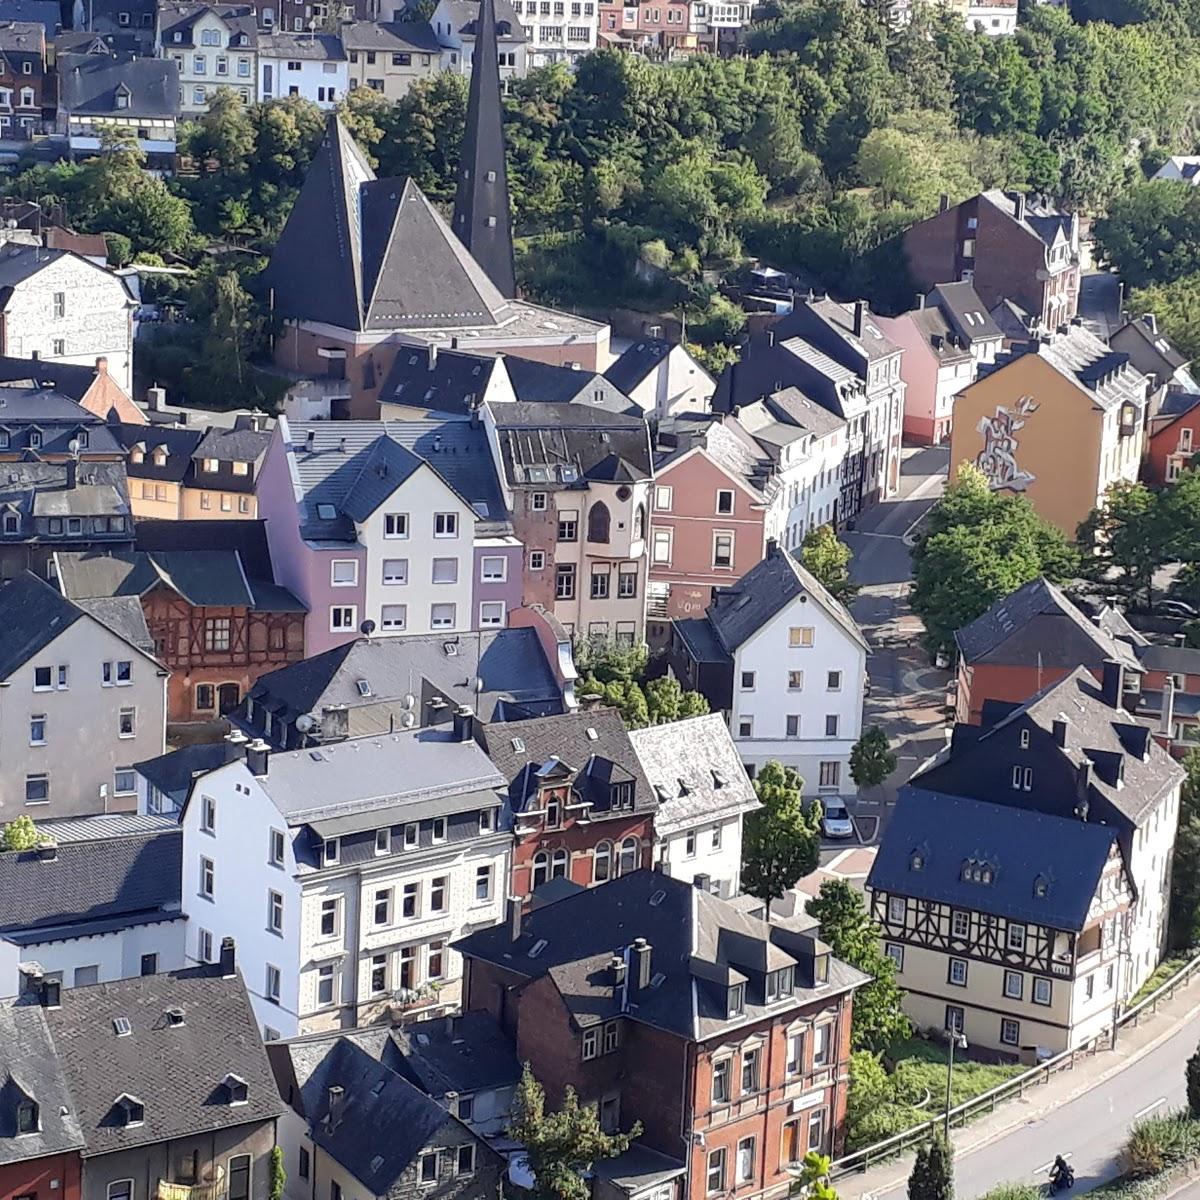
[{"x": 1134, "y": 1043}]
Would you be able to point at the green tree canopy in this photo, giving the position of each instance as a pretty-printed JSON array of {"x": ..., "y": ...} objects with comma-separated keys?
[
  {"x": 932, "y": 1176},
  {"x": 872, "y": 759},
  {"x": 780, "y": 841},
  {"x": 828, "y": 558}
]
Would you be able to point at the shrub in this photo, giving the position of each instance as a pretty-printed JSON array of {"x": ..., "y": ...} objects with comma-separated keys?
[
  {"x": 20, "y": 834},
  {"x": 1014, "y": 1191},
  {"x": 1159, "y": 1143}
]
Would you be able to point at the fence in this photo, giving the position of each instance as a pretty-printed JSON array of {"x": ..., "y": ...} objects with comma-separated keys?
[{"x": 862, "y": 1159}]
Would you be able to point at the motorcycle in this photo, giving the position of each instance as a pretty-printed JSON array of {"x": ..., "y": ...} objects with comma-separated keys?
[{"x": 1063, "y": 1180}]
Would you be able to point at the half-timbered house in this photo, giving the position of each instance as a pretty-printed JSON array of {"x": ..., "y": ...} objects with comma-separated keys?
[
  {"x": 216, "y": 628},
  {"x": 1022, "y": 884}
]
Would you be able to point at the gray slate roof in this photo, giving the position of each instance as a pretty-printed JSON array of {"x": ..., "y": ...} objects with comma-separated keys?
[
  {"x": 22, "y": 37},
  {"x": 172, "y": 773},
  {"x": 509, "y": 665},
  {"x": 373, "y": 254},
  {"x": 639, "y": 359},
  {"x": 464, "y": 13},
  {"x": 315, "y": 47},
  {"x": 1021, "y": 846},
  {"x": 695, "y": 771},
  {"x": 106, "y": 867},
  {"x": 181, "y": 18},
  {"x": 393, "y": 37},
  {"x": 241, "y": 443},
  {"x": 44, "y": 12},
  {"x": 1040, "y": 220},
  {"x": 26, "y": 409},
  {"x": 740, "y": 610},
  {"x": 201, "y": 577},
  {"x": 30, "y": 1069},
  {"x": 469, "y": 1053},
  {"x": 175, "y": 1071},
  {"x": 88, "y": 84},
  {"x": 960, "y": 304},
  {"x": 69, "y": 379},
  {"x": 1038, "y": 623},
  {"x": 1176, "y": 660}
]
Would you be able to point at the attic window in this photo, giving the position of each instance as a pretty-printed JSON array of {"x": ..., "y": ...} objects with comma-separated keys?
[
  {"x": 130, "y": 1110},
  {"x": 1041, "y": 887},
  {"x": 684, "y": 790},
  {"x": 518, "y": 745},
  {"x": 174, "y": 1017},
  {"x": 662, "y": 793},
  {"x": 593, "y": 736},
  {"x": 1024, "y": 739},
  {"x": 916, "y": 861},
  {"x": 377, "y": 1161},
  {"x": 976, "y": 870},
  {"x": 326, "y": 512},
  {"x": 122, "y": 1027},
  {"x": 657, "y": 898},
  {"x": 28, "y": 1117},
  {"x": 364, "y": 688},
  {"x": 719, "y": 780},
  {"x": 537, "y": 947},
  {"x": 236, "y": 1088},
  {"x": 378, "y": 1086}
]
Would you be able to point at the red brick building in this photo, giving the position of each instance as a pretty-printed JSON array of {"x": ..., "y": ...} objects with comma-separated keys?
[
  {"x": 216, "y": 628},
  {"x": 1007, "y": 246},
  {"x": 580, "y": 805},
  {"x": 1174, "y": 439},
  {"x": 747, "y": 1025}
]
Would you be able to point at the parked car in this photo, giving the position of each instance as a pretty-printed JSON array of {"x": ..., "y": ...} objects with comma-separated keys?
[
  {"x": 835, "y": 820},
  {"x": 1176, "y": 608}
]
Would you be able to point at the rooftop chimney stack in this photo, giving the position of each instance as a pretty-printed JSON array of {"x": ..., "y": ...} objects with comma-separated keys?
[
  {"x": 258, "y": 758},
  {"x": 639, "y": 964},
  {"x": 1166, "y": 723},
  {"x": 336, "y": 1096},
  {"x": 512, "y": 909},
  {"x": 1019, "y": 209},
  {"x": 464, "y": 723},
  {"x": 156, "y": 397},
  {"x": 860, "y": 316}
]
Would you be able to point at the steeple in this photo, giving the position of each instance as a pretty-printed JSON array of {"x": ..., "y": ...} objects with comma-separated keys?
[{"x": 481, "y": 208}]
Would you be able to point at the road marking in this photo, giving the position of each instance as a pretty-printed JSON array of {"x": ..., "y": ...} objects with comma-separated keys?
[
  {"x": 1150, "y": 1108},
  {"x": 838, "y": 859},
  {"x": 1046, "y": 1166},
  {"x": 895, "y": 537}
]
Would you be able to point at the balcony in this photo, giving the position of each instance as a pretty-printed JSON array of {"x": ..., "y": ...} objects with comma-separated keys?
[{"x": 194, "y": 1191}]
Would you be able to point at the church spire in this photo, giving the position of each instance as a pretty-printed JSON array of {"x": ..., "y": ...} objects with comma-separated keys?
[{"x": 481, "y": 208}]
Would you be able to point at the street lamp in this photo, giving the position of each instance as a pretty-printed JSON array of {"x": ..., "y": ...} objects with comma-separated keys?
[{"x": 958, "y": 1039}]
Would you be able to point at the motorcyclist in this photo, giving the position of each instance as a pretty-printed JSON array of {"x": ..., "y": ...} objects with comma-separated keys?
[{"x": 1061, "y": 1174}]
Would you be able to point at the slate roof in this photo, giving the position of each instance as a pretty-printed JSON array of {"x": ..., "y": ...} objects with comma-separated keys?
[
  {"x": 791, "y": 405},
  {"x": 1175, "y": 660},
  {"x": 29, "y": 1068},
  {"x": 373, "y": 254},
  {"x": 939, "y": 336},
  {"x": 88, "y": 84},
  {"x": 391, "y": 36},
  {"x": 56, "y": 417},
  {"x": 469, "y": 1053},
  {"x": 44, "y": 12},
  {"x": 22, "y": 37},
  {"x": 1040, "y": 220},
  {"x": 201, "y": 577},
  {"x": 1021, "y": 846},
  {"x": 172, "y": 773},
  {"x": 545, "y": 383},
  {"x": 242, "y": 443},
  {"x": 443, "y": 381},
  {"x": 18, "y": 262},
  {"x": 1038, "y": 623},
  {"x": 464, "y": 13},
  {"x": 695, "y": 771},
  {"x": 638, "y": 360},
  {"x": 585, "y": 742},
  {"x": 105, "y": 867},
  {"x": 1100, "y": 741},
  {"x": 555, "y": 444},
  {"x": 1156, "y": 343},
  {"x": 33, "y": 614},
  {"x": 176, "y": 1071},
  {"x": 314, "y": 47},
  {"x": 694, "y": 938},
  {"x": 68, "y": 379},
  {"x": 248, "y": 538},
  {"x": 182, "y": 17},
  {"x": 960, "y": 304},
  {"x": 509, "y": 664},
  {"x": 180, "y": 445},
  {"x": 1104, "y": 375},
  {"x": 742, "y": 609}
]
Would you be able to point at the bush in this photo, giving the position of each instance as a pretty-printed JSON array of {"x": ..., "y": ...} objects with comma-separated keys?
[
  {"x": 20, "y": 834},
  {"x": 1160, "y": 1143},
  {"x": 1014, "y": 1191}
]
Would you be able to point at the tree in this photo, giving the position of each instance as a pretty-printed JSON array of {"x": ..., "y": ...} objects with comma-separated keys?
[
  {"x": 1185, "y": 872},
  {"x": 932, "y": 1175},
  {"x": 561, "y": 1146},
  {"x": 1176, "y": 307},
  {"x": 1193, "y": 1085},
  {"x": 780, "y": 842},
  {"x": 1125, "y": 540},
  {"x": 828, "y": 558},
  {"x": 20, "y": 834},
  {"x": 845, "y": 926},
  {"x": 814, "y": 1177},
  {"x": 1152, "y": 233},
  {"x": 278, "y": 1174},
  {"x": 872, "y": 759},
  {"x": 667, "y": 701}
]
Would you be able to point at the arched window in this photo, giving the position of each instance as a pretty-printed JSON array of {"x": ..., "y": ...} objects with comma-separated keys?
[
  {"x": 541, "y": 868},
  {"x": 602, "y": 862},
  {"x": 558, "y": 864},
  {"x": 628, "y": 860},
  {"x": 639, "y": 521},
  {"x": 598, "y": 522}
]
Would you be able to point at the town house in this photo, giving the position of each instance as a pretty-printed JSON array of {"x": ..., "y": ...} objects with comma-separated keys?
[
  {"x": 389, "y": 57},
  {"x": 662, "y": 378},
  {"x": 23, "y": 72},
  {"x": 747, "y": 1025},
  {"x": 214, "y": 46},
  {"x": 344, "y": 872}
]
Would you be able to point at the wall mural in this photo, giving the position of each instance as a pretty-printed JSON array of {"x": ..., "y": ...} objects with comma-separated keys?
[{"x": 998, "y": 458}]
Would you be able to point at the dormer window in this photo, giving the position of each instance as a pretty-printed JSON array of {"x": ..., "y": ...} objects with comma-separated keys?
[
  {"x": 160, "y": 457},
  {"x": 916, "y": 861},
  {"x": 736, "y": 1000},
  {"x": 137, "y": 455},
  {"x": 35, "y": 439},
  {"x": 779, "y": 984},
  {"x": 130, "y": 1110},
  {"x": 12, "y": 523},
  {"x": 4, "y": 439},
  {"x": 236, "y": 1089},
  {"x": 1041, "y": 887},
  {"x": 28, "y": 1117},
  {"x": 553, "y": 813},
  {"x": 975, "y": 870}
]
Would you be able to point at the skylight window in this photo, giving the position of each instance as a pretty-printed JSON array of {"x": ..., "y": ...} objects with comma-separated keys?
[{"x": 326, "y": 512}]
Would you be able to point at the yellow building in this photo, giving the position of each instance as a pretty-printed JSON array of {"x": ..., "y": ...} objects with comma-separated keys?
[{"x": 1058, "y": 420}]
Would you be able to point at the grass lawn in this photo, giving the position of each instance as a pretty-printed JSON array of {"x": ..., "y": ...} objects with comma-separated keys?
[
  {"x": 1163, "y": 972},
  {"x": 925, "y": 1064}
]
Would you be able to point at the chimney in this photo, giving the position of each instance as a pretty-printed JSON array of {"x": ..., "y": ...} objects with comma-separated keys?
[
  {"x": 920, "y": 305},
  {"x": 258, "y": 756},
  {"x": 156, "y": 397},
  {"x": 1166, "y": 720},
  {"x": 512, "y": 911},
  {"x": 1151, "y": 322},
  {"x": 772, "y": 548},
  {"x": 860, "y": 313},
  {"x": 432, "y": 356},
  {"x": 639, "y": 965},
  {"x": 228, "y": 959},
  {"x": 36, "y": 355},
  {"x": 1019, "y": 210},
  {"x": 464, "y": 724},
  {"x": 309, "y": 440},
  {"x": 1180, "y": 639},
  {"x": 943, "y": 203},
  {"x": 617, "y": 966},
  {"x": 1110, "y": 687},
  {"x": 102, "y": 365},
  {"x": 702, "y": 882},
  {"x": 770, "y": 337},
  {"x": 72, "y": 466},
  {"x": 48, "y": 851},
  {"x": 1060, "y": 732},
  {"x": 336, "y": 1096}
]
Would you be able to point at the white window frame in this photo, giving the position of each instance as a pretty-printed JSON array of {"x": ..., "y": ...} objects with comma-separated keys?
[
  {"x": 501, "y": 577},
  {"x": 334, "y": 581}
]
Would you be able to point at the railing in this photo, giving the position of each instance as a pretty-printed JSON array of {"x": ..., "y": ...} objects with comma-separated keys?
[
  {"x": 862, "y": 1159},
  {"x": 191, "y": 1191}
]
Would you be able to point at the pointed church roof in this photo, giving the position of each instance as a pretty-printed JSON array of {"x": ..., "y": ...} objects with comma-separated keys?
[
  {"x": 482, "y": 218},
  {"x": 373, "y": 254}
]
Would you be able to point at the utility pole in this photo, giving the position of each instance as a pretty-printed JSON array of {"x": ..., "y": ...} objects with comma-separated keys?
[{"x": 1122, "y": 951}]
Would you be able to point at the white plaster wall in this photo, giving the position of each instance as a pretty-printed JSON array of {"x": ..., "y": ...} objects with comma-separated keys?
[
  {"x": 722, "y": 865},
  {"x": 311, "y": 76}
]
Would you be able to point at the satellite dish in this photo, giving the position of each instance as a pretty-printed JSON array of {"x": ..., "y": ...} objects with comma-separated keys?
[
  {"x": 408, "y": 720},
  {"x": 306, "y": 722},
  {"x": 367, "y": 627}
]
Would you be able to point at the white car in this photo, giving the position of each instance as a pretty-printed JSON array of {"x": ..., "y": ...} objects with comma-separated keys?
[{"x": 835, "y": 821}]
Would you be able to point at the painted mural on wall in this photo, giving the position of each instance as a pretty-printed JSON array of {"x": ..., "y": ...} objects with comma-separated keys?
[{"x": 998, "y": 458}]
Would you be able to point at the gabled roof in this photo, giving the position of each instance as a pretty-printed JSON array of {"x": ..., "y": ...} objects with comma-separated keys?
[
  {"x": 44, "y": 12},
  {"x": 175, "y": 1070},
  {"x": 181, "y": 17},
  {"x": 742, "y": 609},
  {"x": 441, "y": 381},
  {"x": 1044, "y": 222},
  {"x": 695, "y": 771},
  {"x": 1028, "y": 852},
  {"x": 88, "y": 84},
  {"x": 244, "y": 442},
  {"x": 960, "y": 304},
  {"x": 69, "y": 379},
  {"x": 1038, "y": 624},
  {"x": 248, "y": 538},
  {"x": 22, "y": 37},
  {"x": 213, "y": 578},
  {"x": 638, "y": 360},
  {"x": 391, "y": 36},
  {"x": 469, "y": 1053},
  {"x": 545, "y": 383},
  {"x": 373, "y": 254},
  {"x": 172, "y": 773},
  {"x": 33, "y": 614},
  {"x": 463, "y": 15},
  {"x": 108, "y": 870},
  {"x": 313, "y": 47}
]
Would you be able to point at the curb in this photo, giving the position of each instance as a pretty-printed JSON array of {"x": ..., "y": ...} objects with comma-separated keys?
[{"x": 1025, "y": 1117}]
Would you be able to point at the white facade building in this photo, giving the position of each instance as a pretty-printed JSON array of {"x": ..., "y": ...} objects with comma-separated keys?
[
  {"x": 313, "y": 66},
  {"x": 703, "y": 793},
  {"x": 214, "y": 47},
  {"x": 344, "y": 874},
  {"x": 558, "y": 30},
  {"x": 992, "y": 17},
  {"x": 453, "y": 26},
  {"x": 662, "y": 379},
  {"x": 62, "y": 308}
]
